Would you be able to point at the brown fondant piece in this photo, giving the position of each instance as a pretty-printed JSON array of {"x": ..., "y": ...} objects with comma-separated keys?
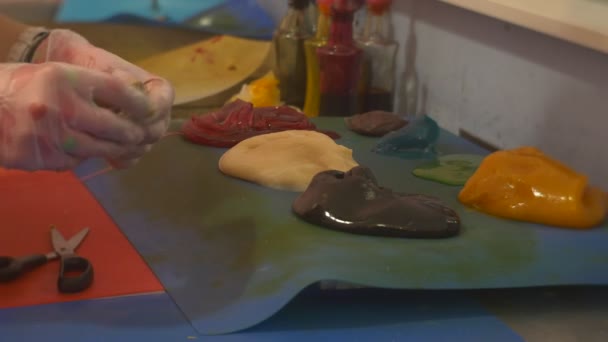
[
  {"x": 375, "y": 123},
  {"x": 353, "y": 202}
]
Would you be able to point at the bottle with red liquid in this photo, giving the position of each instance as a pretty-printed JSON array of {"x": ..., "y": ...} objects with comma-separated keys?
[
  {"x": 380, "y": 51},
  {"x": 340, "y": 62},
  {"x": 290, "y": 59}
]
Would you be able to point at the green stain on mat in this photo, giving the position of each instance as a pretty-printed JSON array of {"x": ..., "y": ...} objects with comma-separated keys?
[
  {"x": 453, "y": 169},
  {"x": 479, "y": 253}
]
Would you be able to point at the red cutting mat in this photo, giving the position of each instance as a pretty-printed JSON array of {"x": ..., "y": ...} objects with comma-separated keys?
[{"x": 29, "y": 204}]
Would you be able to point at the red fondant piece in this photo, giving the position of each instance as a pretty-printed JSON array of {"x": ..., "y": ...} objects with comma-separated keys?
[
  {"x": 29, "y": 203},
  {"x": 239, "y": 120}
]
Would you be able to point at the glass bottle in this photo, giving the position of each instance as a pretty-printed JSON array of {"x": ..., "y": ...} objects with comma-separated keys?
[
  {"x": 290, "y": 60},
  {"x": 340, "y": 63},
  {"x": 312, "y": 15},
  {"x": 380, "y": 51},
  {"x": 311, "y": 103}
]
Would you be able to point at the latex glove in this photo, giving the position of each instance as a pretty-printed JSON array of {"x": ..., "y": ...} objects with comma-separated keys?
[
  {"x": 49, "y": 117},
  {"x": 69, "y": 47}
]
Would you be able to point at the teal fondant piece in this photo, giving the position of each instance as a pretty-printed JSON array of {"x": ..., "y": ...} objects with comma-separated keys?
[
  {"x": 231, "y": 253},
  {"x": 416, "y": 140},
  {"x": 452, "y": 169}
]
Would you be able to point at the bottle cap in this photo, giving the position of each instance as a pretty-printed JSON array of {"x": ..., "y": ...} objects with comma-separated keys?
[{"x": 325, "y": 6}]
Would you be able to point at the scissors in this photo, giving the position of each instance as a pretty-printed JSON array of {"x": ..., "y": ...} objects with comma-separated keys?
[{"x": 75, "y": 273}]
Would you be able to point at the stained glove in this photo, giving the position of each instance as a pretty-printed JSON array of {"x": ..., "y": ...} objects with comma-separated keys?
[
  {"x": 69, "y": 47},
  {"x": 52, "y": 116}
]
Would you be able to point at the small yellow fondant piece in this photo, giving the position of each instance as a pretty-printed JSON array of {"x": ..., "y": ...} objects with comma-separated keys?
[{"x": 262, "y": 92}]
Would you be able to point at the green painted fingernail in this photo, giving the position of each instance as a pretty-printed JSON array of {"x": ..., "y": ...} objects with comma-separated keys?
[{"x": 69, "y": 144}]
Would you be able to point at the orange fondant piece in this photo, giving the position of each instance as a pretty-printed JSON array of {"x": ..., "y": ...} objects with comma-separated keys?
[
  {"x": 524, "y": 184},
  {"x": 29, "y": 203},
  {"x": 262, "y": 92}
]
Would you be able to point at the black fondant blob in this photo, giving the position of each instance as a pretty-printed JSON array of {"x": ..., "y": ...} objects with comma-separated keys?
[{"x": 353, "y": 202}]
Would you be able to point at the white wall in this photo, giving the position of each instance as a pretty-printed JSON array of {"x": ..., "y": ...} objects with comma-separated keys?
[{"x": 508, "y": 85}]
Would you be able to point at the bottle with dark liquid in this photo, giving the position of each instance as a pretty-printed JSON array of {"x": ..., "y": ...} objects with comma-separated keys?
[
  {"x": 290, "y": 59},
  {"x": 380, "y": 51},
  {"x": 340, "y": 62}
]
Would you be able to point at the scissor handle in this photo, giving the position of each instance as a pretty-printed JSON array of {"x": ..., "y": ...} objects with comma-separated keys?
[
  {"x": 11, "y": 268},
  {"x": 75, "y": 274}
]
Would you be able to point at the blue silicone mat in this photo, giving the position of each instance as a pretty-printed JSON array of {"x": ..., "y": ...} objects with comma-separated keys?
[
  {"x": 252, "y": 255},
  {"x": 151, "y": 317},
  {"x": 345, "y": 316}
]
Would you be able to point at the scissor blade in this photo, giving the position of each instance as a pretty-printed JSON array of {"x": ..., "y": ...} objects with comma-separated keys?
[
  {"x": 76, "y": 240},
  {"x": 61, "y": 245},
  {"x": 57, "y": 239}
]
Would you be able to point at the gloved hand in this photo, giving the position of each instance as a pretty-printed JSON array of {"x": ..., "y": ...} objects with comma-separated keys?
[
  {"x": 69, "y": 47},
  {"x": 51, "y": 118}
]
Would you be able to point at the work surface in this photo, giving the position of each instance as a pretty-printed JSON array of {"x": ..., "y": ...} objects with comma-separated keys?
[
  {"x": 228, "y": 262},
  {"x": 253, "y": 255},
  {"x": 556, "y": 314}
]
